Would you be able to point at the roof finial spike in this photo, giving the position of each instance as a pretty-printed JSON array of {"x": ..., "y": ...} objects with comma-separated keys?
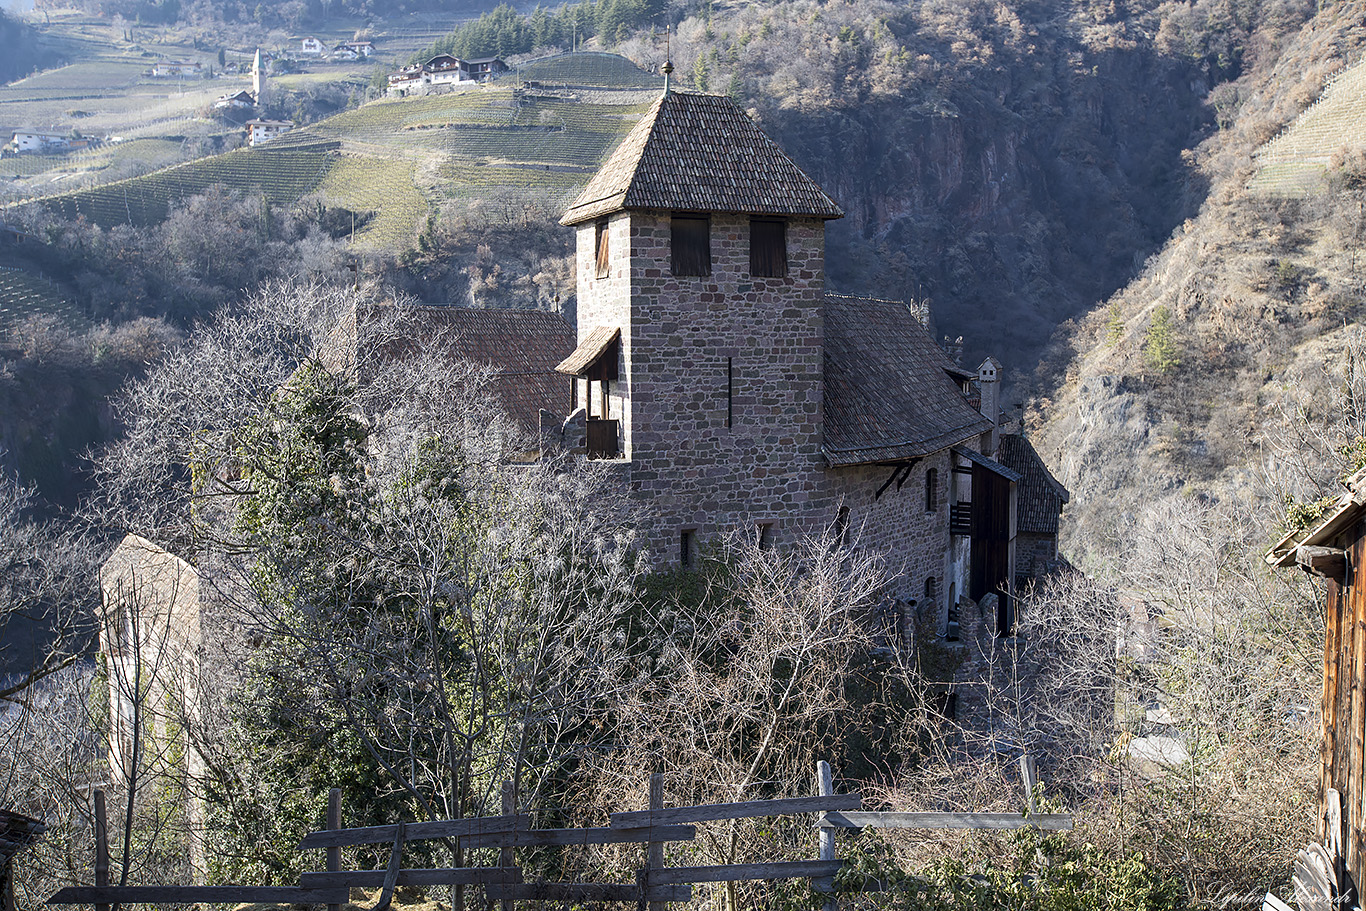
[{"x": 668, "y": 56}]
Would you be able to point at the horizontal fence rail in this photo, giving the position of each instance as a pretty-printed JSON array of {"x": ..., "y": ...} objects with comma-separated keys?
[{"x": 656, "y": 883}]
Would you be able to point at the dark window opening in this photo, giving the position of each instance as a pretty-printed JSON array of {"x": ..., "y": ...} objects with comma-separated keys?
[
  {"x": 768, "y": 247},
  {"x": 686, "y": 547},
  {"x": 691, "y": 245},
  {"x": 765, "y": 535},
  {"x": 1005, "y": 614},
  {"x": 931, "y": 489},
  {"x": 841, "y": 527},
  {"x": 602, "y": 247}
]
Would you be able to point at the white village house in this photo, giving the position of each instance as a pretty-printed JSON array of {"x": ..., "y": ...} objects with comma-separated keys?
[
  {"x": 259, "y": 131},
  {"x": 29, "y": 141},
  {"x": 441, "y": 72}
]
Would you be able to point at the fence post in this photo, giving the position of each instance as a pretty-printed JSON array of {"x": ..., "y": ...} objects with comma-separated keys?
[
  {"x": 334, "y": 822},
  {"x": 101, "y": 845},
  {"x": 506, "y": 856},
  {"x": 1030, "y": 776},
  {"x": 825, "y": 784},
  {"x": 655, "y": 856}
]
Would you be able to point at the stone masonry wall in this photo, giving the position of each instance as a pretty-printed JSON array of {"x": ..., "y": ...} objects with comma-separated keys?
[
  {"x": 721, "y": 417},
  {"x": 915, "y": 540}
]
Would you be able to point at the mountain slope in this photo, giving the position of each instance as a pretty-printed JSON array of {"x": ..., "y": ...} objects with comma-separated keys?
[{"x": 1193, "y": 376}]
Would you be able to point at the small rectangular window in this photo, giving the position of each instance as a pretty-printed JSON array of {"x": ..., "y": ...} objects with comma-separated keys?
[
  {"x": 765, "y": 533},
  {"x": 767, "y": 247},
  {"x": 602, "y": 247},
  {"x": 691, "y": 245},
  {"x": 686, "y": 548}
]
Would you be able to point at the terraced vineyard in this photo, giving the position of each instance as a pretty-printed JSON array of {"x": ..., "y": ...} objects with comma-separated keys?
[
  {"x": 282, "y": 177},
  {"x": 23, "y": 294},
  {"x": 592, "y": 69},
  {"x": 1296, "y": 160},
  {"x": 402, "y": 158},
  {"x": 381, "y": 186}
]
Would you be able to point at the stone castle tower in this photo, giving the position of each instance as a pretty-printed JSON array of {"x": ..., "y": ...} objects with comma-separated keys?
[{"x": 701, "y": 278}]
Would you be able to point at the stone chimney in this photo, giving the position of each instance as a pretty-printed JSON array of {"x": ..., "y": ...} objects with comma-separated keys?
[{"x": 989, "y": 380}]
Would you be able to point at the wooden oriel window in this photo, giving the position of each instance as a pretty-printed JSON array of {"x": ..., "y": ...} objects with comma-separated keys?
[
  {"x": 603, "y": 249},
  {"x": 691, "y": 244},
  {"x": 767, "y": 247}
]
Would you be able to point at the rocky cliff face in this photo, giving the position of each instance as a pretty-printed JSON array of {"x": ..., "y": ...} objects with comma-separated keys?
[
  {"x": 1018, "y": 168},
  {"x": 1218, "y": 366}
]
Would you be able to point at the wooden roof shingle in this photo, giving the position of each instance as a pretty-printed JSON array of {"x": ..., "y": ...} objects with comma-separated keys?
[
  {"x": 1041, "y": 496},
  {"x": 700, "y": 153},
  {"x": 888, "y": 393}
]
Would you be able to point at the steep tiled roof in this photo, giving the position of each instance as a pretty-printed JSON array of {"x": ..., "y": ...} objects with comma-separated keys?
[
  {"x": 522, "y": 346},
  {"x": 701, "y": 153},
  {"x": 888, "y": 395},
  {"x": 1040, "y": 496}
]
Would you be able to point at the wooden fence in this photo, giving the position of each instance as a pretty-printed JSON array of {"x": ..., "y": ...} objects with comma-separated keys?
[{"x": 655, "y": 883}]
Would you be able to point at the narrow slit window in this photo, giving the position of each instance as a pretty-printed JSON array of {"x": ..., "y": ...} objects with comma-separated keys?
[
  {"x": 765, "y": 535},
  {"x": 730, "y": 392},
  {"x": 767, "y": 247},
  {"x": 691, "y": 245},
  {"x": 686, "y": 547},
  {"x": 603, "y": 248}
]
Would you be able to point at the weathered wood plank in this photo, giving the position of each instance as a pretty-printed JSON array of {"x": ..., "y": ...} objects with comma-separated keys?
[
  {"x": 605, "y": 892},
  {"x": 1051, "y": 821},
  {"x": 654, "y": 851},
  {"x": 92, "y": 895},
  {"x": 453, "y": 876},
  {"x": 101, "y": 846},
  {"x": 729, "y": 873},
  {"x": 750, "y": 808},
  {"x": 825, "y": 786},
  {"x": 598, "y": 835},
  {"x": 416, "y": 831},
  {"x": 334, "y": 822}
]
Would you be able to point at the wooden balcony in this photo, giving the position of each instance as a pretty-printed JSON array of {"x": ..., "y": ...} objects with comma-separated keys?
[{"x": 601, "y": 439}]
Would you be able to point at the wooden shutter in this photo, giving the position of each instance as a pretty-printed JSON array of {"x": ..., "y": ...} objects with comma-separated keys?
[
  {"x": 691, "y": 245},
  {"x": 767, "y": 247}
]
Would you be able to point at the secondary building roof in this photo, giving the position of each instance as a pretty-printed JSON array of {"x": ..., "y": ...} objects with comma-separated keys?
[
  {"x": 522, "y": 347},
  {"x": 700, "y": 153},
  {"x": 889, "y": 395},
  {"x": 1041, "y": 497},
  {"x": 1339, "y": 517}
]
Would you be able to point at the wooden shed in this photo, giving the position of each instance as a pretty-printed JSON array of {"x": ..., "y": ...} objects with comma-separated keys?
[{"x": 1335, "y": 550}]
